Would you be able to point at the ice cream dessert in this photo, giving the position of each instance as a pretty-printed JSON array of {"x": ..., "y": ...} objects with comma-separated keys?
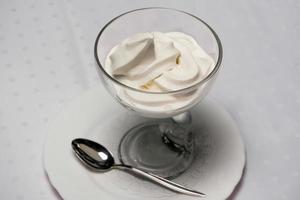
[{"x": 159, "y": 63}]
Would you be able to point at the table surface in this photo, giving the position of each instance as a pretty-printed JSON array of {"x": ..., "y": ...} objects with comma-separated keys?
[{"x": 46, "y": 60}]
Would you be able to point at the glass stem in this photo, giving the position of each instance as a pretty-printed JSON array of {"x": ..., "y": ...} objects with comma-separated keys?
[
  {"x": 183, "y": 119},
  {"x": 177, "y": 134}
]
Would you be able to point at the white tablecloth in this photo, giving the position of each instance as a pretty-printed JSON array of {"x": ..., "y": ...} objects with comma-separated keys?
[{"x": 46, "y": 60}]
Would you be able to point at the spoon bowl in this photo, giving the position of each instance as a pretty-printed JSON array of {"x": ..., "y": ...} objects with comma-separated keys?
[{"x": 94, "y": 155}]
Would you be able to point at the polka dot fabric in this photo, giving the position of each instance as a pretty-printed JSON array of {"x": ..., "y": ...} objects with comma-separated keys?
[{"x": 46, "y": 60}]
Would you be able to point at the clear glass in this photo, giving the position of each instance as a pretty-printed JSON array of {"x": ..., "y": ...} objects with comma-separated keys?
[{"x": 166, "y": 146}]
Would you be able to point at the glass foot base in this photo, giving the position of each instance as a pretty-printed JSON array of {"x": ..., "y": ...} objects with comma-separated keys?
[{"x": 149, "y": 148}]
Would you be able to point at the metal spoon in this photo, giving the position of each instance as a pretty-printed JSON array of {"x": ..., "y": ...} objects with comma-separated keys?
[{"x": 98, "y": 158}]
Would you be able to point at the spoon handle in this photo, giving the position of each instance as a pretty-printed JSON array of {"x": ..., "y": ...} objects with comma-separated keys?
[{"x": 162, "y": 181}]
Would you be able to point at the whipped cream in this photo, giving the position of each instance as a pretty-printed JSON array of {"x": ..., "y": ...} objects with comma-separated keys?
[{"x": 158, "y": 62}]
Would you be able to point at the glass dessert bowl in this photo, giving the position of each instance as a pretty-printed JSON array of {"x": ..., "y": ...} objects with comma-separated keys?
[{"x": 159, "y": 63}]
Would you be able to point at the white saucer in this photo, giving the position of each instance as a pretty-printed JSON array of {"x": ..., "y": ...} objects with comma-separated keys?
[{"x": 217, "y": 169}]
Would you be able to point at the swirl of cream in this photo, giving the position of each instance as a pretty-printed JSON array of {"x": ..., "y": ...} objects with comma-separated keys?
[{"x": 171, "y": 60}]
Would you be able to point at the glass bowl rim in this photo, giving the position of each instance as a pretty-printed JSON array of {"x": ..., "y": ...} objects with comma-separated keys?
[{"x": 207, "y": 78}]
